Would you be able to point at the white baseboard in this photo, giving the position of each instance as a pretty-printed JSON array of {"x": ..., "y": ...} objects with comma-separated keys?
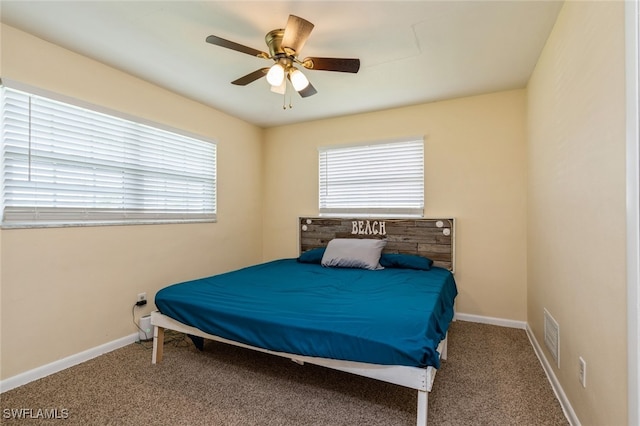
[
  {"x": 70, "y": 361},
  {"x": 569, "y": 413},
  {"x": 491, "y": 320}
]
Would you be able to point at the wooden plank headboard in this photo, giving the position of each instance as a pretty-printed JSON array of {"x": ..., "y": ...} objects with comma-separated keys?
[{"x": 432, "y": 238}]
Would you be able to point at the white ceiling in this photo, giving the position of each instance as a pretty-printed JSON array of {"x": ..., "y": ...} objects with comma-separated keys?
[{"x": 411, "y": 52}]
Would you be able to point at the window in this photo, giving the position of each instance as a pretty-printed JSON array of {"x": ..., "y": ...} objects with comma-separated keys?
[
  {"x": 377, "y": 179},
  {"x": 63, "y": 165}
]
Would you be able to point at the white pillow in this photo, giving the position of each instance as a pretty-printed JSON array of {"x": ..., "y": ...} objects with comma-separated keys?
[{"x": 353, "y": 253}]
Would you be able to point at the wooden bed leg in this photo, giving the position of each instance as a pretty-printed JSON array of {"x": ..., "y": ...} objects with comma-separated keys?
[
  {"x": 423, "y": 406},
  {"x": 158, "y": 345}
]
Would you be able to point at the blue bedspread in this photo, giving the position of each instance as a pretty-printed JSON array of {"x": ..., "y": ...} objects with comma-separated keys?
[{"x": 390, "y": 316}]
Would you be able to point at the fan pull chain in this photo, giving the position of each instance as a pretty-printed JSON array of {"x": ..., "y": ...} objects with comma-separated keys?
[{"x": 284, "y": 101}]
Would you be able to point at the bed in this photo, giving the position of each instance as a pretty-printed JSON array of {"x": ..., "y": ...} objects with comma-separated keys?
[{"x": 372, "y": 297}]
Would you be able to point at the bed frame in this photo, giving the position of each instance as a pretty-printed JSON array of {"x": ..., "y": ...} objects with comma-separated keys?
[{"x": 433, "y": 238}]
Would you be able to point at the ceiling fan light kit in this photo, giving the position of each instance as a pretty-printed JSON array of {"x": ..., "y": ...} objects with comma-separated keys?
[{"x": 284, "y": 46}]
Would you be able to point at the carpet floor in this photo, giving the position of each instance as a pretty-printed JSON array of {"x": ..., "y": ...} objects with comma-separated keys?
[{"x": 491, "y": 377}]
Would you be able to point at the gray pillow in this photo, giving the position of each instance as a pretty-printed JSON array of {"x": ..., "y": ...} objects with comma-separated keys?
[{"x": 353, "y": 253}]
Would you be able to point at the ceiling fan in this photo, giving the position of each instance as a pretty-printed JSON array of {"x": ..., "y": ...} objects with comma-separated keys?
[{"x": 284, "y": 47}]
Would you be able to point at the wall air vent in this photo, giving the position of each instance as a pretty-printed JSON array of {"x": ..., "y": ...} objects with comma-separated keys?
[{"x": 552, "y": 336}]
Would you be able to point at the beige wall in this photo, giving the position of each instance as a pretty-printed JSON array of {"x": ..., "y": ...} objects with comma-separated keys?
[
  {"x": 576, "y": 214},
  {"x": 66, "y": 290},
  {"x": 474, "y": 171}
]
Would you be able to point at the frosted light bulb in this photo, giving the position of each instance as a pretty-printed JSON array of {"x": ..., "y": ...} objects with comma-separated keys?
[
  {"x": 298, "y": 80},
  {"x": 275, "y": 76},
  {"x": 281, "y": 89}
]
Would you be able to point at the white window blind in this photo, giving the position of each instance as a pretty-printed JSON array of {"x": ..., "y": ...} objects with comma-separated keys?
[
  {"x": 380, "y": 179},
  {"x": 63, "y": 165}
]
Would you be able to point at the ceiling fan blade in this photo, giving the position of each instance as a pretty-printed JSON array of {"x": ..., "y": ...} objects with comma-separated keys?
[
  {"x": 308, "y": 91},
  {"x": 296, "y": 34},
  {"x": 332, "y": 64},
  {"x": 235, "y": 46},
  {"x": 251, "y": 77}
]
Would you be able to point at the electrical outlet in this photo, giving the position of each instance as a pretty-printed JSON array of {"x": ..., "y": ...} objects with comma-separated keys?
[
  {"x": 142, "y": 297},
  {"x": 582, "y": 371}
]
